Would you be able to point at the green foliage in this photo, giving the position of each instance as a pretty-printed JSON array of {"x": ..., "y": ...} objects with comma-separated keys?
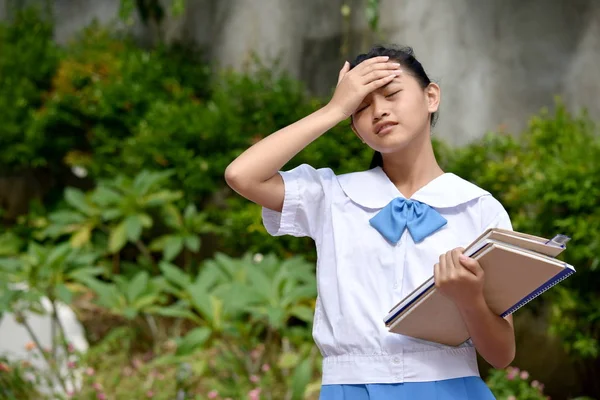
[
  {"x": 548, "y": 178},
  {"x": 513, "y": 384},
  {"x": 17, "y": 382},
  {"x": 28, "y": 61}
]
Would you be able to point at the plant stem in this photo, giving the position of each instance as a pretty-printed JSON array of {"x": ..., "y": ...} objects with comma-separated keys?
[
  {"x": 144, "y": 250},
  {"x": 63, "y": 336},
  {"x": 48, "y": 361},
  {"x": 153, "y": 330}
]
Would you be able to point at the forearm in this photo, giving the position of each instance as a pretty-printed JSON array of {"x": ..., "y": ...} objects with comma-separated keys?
[
  {"x": 264, "y": 159},
  {"x": 492, "y": 335}
]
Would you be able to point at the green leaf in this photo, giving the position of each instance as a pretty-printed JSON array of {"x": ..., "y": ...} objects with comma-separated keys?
[
  {"x": 192, "y": 243},
  {"x": 63, "y": 293},
  {"x": 129, "y": 313},
  {"x": 58, "y": 255},
  {"x": 82, "y": 236},
  {"x": 288, "y": 360},
  {"x": 137, "y": 286},
  {"x": 173, "y": 246},
  {"x": 303, "y": 313},
  {"x": 193, "y": 341},
  {"x": 133, "y": 227},
  {"x": 111, "y": 214},
  {"x": 301, "y": 378},
  {"x": 161, "y": 198},
  {"x": 76, "y": 199},
  {"x": 105, "y": 197},
  {"x": 9, "y": 244},
  {"x": 175, "y": 312},
  {"x": 117, "y": 238},
  {"x": 174, "y": 274},
  {"x": 146, "y": 180}
]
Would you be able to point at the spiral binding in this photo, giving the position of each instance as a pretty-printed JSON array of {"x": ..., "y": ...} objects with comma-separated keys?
[{"x": 548, "y": 285}]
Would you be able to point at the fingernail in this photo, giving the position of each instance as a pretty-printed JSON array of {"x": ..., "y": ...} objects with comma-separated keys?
[
  {"x": 398, "y": 72},
  {"x": 462, "y": 257},
  {"x": 395, "y": 65}
]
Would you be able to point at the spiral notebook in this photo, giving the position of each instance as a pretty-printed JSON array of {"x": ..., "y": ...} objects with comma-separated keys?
[{"x": 518, "y": 268}]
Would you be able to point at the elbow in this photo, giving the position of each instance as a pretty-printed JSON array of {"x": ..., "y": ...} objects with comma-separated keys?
[
  {"x": 234, "y": 178},
  {"x": 504, "y": 362}
]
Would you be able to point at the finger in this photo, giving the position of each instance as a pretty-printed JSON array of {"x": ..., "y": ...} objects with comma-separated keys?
[
  {"x": 455, "y": 255},
  {"x": 379, "y": 74},
  {"x": 376, "y": 84},
  {"x": 443, "y": 266},
  {"x": 384, "y": 66},
  {"x": 471, "y": 264},
  {"x": 437, "y": 274},
  {"x": 382, "y": 60},
  {"x": 343, "y": 71}
]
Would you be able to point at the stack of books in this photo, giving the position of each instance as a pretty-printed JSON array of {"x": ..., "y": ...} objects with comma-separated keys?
[{"x": 517, "y": 267}]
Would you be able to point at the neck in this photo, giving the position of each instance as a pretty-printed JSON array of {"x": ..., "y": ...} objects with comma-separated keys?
[{"x": 413, "y": 167}]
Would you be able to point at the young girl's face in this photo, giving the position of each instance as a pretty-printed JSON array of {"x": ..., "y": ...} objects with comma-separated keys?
[{"x": 391, "y": 117}]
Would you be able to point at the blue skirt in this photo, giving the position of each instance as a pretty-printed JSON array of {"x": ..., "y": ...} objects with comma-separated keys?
[{"x": 468, "y": 388}]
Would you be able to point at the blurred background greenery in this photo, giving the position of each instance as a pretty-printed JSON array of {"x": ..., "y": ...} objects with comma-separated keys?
[{"x": 112, "y": 201}]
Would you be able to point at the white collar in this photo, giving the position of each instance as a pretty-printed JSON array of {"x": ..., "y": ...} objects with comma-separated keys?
[{"x": 373, "y": 189}]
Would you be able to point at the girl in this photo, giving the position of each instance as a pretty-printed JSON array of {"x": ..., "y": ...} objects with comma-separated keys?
[{"x": 380, "y": 233}]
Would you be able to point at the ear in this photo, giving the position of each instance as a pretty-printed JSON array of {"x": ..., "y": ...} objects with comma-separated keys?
[
  {"x": 433, "y": 97},
  {"x": 355, "y": 131}
]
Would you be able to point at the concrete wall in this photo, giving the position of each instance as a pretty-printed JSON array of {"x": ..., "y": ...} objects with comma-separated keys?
[{"x": 498, "y": 61}]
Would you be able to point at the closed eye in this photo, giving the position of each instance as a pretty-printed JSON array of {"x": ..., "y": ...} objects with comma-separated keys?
[
  {"x": 361, "y": 109},
  {"x": 392, "y": 94}
]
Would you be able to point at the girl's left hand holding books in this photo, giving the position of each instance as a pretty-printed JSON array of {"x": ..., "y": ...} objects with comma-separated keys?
[{"x": 459, "y": 278}]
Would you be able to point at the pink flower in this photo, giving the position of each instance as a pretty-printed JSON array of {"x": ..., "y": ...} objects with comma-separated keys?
[
  {"x": 70, "y": 394},
  {"x": 213, "y": 394},
  {"x": 71, "y": 364},
  {"x": 70, "y": 348},
  {"x": 90, "y": 371},
  {"x": 266, "y": 367},
  {"x": 511, "y": 398},
  {"x": 149, "y": 394},
  {"x": 4, "y": 368},
  {"x": 97, "y": 386},
  {"x": 512, "y": 373},
  {"x": 524, "y": 375},
  {"x": 101, "y": 396},
  {"x": 535, "y": 384},
  {"x": 30, "y": 346},
  {"x": 254, "y": 378},
  {"x": 254, "y": 394}
]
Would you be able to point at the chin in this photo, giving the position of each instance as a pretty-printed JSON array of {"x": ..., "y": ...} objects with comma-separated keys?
[{"x": 393, "y": 142}]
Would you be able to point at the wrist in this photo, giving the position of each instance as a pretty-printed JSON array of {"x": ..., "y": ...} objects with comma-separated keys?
[
  {"x": 335, "y": 113},
  {"x": 474, "y": 305}
]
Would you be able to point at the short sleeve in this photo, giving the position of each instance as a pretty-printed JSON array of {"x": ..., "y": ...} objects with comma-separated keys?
[
  {"x": 304, "y": 202},
  {"x": 493, "y": 214}
]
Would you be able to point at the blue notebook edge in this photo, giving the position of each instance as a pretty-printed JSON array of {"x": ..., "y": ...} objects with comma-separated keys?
[{"x": 561, "y": 276}]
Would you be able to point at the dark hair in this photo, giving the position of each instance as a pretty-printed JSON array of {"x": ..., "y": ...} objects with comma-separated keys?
[{"x": 406, "y": 57}]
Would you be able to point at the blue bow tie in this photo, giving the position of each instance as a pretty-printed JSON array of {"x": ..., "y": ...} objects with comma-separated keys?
[{"x": 420, "y": 219}]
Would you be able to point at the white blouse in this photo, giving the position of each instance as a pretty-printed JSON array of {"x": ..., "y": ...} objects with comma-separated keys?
[{"x": 361, "y": 276}]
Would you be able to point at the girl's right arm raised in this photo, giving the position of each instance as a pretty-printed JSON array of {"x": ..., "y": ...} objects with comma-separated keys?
[{"x": 254, "y": 174}]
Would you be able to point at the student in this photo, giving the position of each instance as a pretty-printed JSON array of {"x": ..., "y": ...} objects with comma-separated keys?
[{"x": 380, "y": 233}]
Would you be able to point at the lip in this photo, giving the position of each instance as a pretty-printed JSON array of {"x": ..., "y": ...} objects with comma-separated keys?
[{"x": 384, "y": 127}]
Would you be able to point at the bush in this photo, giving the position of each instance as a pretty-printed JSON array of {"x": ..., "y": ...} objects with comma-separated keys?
[
  {"x": 28, "y": 61},
  {"x": 513, "y": 384},
  {"x": 549, "y": 181}
]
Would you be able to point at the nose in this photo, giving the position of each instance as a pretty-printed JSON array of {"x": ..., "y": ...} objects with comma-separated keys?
[{"x": 379, "y": 110}]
